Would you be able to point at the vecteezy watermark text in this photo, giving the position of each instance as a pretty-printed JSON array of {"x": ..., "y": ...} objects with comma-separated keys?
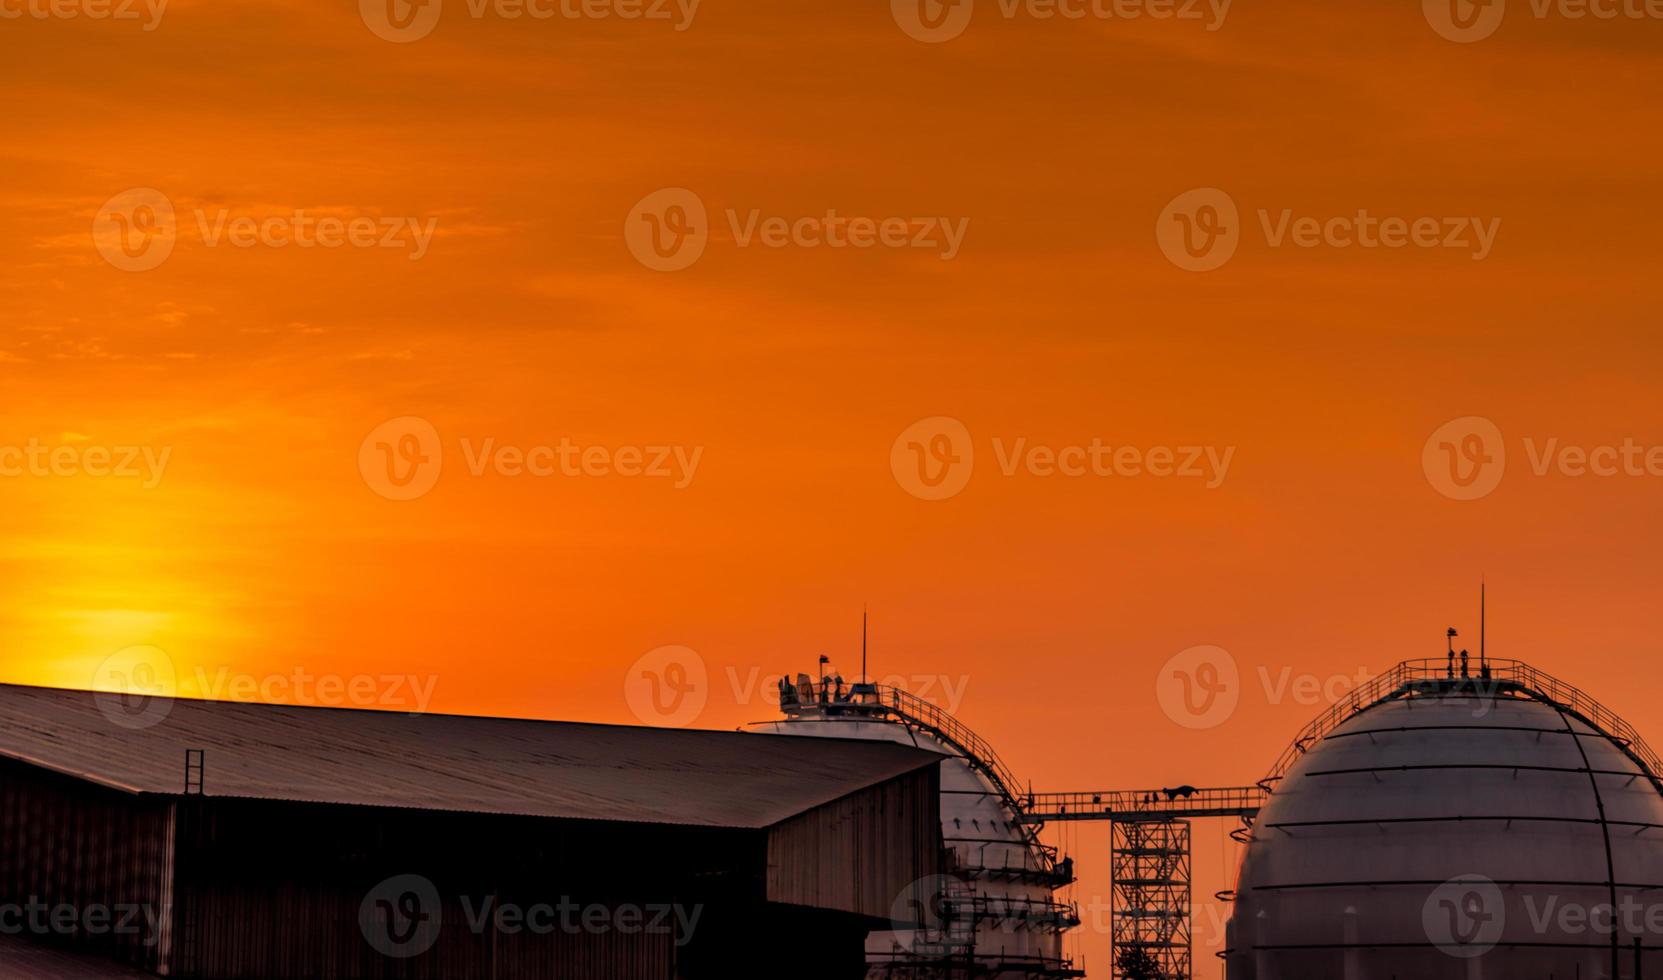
[
  {"x": 410, "y": 692},
  {"x": 941, "y": 689},
  {"x": 138, "y": 229},
  {"x": 670, "y": 686},
  {"x": 403, "y": 916},
  {"x": 1466, "y": 458},
  {"x": 1201, "y": 229},
  {"x": 933, "y": 459},
  {"x": 1201, "y": 687},
  {"x": 135, "y": 687},
  {"x": 304, "y": 230},
  {"x": 678, "y": 464},
  {"x": 832, "y": 230},
  {"x": 1467, "y": 21},
  {"x": 669, "y": 230},
  {"x": 403, "y": 21},
  {"x": 402, "y": 458},
  {"x": 572, "y": 918},
  {"x": 937, "y": 21},
  {"x": 1209, "y": 464},
  {"x": 37, "y": 459},
  {"x": 149, "y": 11},
  {"x": 42, "y": 919}
]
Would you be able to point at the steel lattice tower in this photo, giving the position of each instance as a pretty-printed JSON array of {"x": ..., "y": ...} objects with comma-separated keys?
[{"x": 1151, "y": 875}]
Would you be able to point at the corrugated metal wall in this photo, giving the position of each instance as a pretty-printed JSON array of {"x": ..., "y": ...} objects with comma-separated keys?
[
  {"x": 103, "y": 855},
  {"x": 862, "y": 853},
  {"x": 255, "y": 934},
  {"x": 270, "y": 889},
  {"x": 769, "y": 941}
]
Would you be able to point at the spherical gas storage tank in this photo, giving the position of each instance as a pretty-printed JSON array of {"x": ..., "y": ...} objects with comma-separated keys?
[
  {"x": 1502, "y": 826},
  {"x": 997, "y": 912}
]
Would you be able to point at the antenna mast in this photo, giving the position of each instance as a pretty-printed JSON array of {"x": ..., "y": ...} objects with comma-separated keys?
[
  {"x": 1481, "y": 655},
  {"x": 863, "y": 678}
]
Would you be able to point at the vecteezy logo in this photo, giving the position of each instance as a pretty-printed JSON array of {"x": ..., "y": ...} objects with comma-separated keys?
[
  {"x": 1465, "y": 458},
  {"x": 135, "y": 686},
  {"x": 135, "y": 230},
  {"x": 401, "y": 458},
  {"x": 667, "y": 230},
  {"x": 932, "y": 21},
  {"x": 1465, "y": 916},
  {"x": 668, "y": 687},
  {"x": 1200, "y": 687},
  {"x": 1464, "y": 21},
  {"x": 1199, "y": 230},
  {"x": 401, "y": 916},
  {"x": 932, "y": 459},
  {"x": 400, "y": 21},
  {"x": 932, "y": 905}
]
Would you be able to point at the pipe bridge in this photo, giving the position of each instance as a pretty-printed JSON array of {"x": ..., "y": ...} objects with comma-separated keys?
[{"x": 1129, "y": 806}]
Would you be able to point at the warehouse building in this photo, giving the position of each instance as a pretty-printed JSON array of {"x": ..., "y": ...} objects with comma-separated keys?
[{"x": 219, "y": 840}]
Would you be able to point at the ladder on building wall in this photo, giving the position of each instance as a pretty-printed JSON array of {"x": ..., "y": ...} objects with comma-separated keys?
[{"x": 188, "y": 839}]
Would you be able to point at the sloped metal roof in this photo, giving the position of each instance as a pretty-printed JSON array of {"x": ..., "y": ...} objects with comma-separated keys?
[{"x": 443, "y": 762}]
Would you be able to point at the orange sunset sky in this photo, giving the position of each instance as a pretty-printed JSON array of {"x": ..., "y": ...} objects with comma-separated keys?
[{"x": 1048, "y": 602}]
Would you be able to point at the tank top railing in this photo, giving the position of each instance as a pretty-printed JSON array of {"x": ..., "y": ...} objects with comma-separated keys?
[
  {"x": 930, "y": 715},
  {"x": 1413, "y": 677},
  {"x": 914, "y": 710},
  {"x": 1011, "y": 912},
  {"x": 1559, "y": 693}
]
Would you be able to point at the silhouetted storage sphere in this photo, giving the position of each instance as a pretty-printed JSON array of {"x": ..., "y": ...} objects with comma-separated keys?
[{"x": 1460, "y": 831}]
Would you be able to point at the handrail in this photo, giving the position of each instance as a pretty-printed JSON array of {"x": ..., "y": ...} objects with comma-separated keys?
[
  {"x": 946, "y": 958},
  {"x": 914, "y": 710},
  {"x": 931, "y": 716},
  {"x": 1414, "y": 677},
  {"x": 1182, "y": 803},
  {"x": 987, "y": 907}
]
